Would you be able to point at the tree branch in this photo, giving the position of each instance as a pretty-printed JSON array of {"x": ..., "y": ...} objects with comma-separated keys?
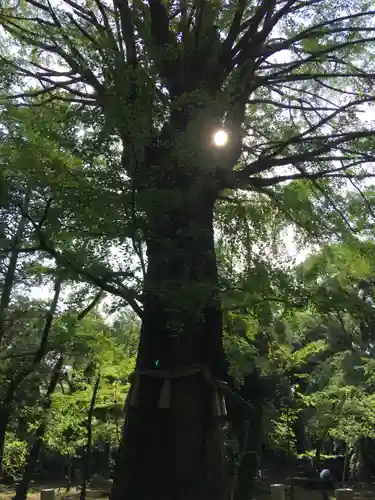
[
  {"x": 127, "y": 29},
  {"x": 160, "y": 23},
  {"x": 364, "y": 198},
  {"x": 241, "y": 178},
  {"x": 235, "y": 27},
  {"x": 66, "y": 261},
  {"x": 90, "y": 306},
  {"x": 271, "y": 181}
]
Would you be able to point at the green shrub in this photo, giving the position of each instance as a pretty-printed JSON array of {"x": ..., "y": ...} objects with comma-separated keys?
[{"x": 15, "y": 454}]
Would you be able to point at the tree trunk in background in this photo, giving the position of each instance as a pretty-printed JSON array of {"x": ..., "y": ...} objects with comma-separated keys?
[
  {"x": 107, "y": 467},
  {"x": 299, "y": 430},
  {"x": 366, "y": 465},
  {"x": 4, "y": 420},
  {"x": 69, "y": 477},
  {"x": 11, "y": 270},
  {"x": 23, "y": 486},
  {"x": 86, "y": 469},
  {"x": 250, "y": 436},
  {"x": 4, "y": 304},
  {"x": 6, "y": 412},
  {"x": 319, "y": 447},
  {"x": 177, "y": 452},
  {"x": 6, "y": 403},
  {"x": 245, "y": 416}
]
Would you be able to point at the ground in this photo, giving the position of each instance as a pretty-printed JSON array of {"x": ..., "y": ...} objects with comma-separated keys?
[
  {"x": 6, "y": 493},
  {"x": 301, "y": 494}
]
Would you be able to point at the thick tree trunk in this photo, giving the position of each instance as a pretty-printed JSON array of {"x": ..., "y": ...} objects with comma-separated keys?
[{"x": 176, "y": 451}]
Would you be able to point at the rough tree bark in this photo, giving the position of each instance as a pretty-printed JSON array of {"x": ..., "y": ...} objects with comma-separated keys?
[{"x": 176, "y": 452}]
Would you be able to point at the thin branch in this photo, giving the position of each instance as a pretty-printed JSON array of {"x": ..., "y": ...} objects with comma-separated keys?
[
  {"x": 269, "y": 162},
  {"x": 280, "y": 205},
  {"x": 91, "y": 305},
  {"x": 75, "y": 61},
  {"x": 316, "y": 30},
  {"x": 271, "y": 181},
  {"x": 323, "y": 191},
  {"x": 84, "y": 32},
  {"x": 290, "y": 66},
  {"x": 299, "y": 77},
  {"x": 252, "y": 25},
  {"x": 297, "y": 138},
  {"x": 22, "y": 250},
  {"x": 364, "y": 198},
  {"x": 235, "y": 27},
  {"x": 38, "y": 5},
  {"x": 311, "y": 107},
  {"x": 65, "y": 261},
  {"x": 40, "y": 353},
  {"x": 102, "y": 10},
  {"x": 85, "y": 14}
]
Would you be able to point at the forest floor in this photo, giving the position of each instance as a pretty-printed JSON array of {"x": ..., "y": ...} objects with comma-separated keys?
[
  {"x": 7, "y": 493},
  {"x": 304, "y": 494}
]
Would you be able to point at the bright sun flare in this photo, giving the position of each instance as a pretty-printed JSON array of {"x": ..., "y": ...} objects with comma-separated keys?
[{"x": 220, "y": 138}]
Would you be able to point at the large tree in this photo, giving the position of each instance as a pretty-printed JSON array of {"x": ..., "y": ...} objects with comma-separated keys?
[{"x": 286, "y": 80}]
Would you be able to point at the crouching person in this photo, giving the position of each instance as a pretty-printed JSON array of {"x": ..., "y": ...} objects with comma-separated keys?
[{"x": 326, "y": 483}]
